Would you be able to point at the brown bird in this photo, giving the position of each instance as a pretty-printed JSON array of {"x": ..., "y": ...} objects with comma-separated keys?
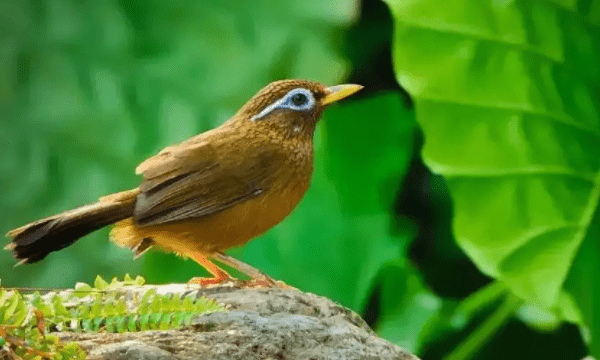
[{"x": 214, "y": 191}]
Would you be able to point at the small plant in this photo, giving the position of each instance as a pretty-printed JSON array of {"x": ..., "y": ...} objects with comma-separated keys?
[
  {"x": 23, "y": 331},
  {"x": 26, "y": 320}
]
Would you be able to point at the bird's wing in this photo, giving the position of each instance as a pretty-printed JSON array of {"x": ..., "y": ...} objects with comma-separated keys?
[{"x": 198, "y": 178}]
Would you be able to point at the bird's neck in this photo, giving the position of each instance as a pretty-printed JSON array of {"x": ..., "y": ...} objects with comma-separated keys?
[{"x": 293, "y": 146}]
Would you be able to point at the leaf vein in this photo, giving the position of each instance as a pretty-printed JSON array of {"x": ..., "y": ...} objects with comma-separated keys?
[
  {"x": 456, "y": 172},
  {"x": 562, "y": 118}
]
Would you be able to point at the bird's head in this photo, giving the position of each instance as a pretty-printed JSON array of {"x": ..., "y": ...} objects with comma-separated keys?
[{"x": 292, "y": 107}]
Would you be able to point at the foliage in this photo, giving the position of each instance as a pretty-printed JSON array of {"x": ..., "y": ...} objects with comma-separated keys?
[
  {"x": 26, "y": 320},
  {"x": 23, "y": 331},
  {"x": 506, "y": 96}
]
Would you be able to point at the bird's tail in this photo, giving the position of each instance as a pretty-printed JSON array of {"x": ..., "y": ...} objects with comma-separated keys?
[{"x": 33, "y": 242}]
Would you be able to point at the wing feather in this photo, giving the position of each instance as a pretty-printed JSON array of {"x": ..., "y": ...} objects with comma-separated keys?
[{"x": 199, "y": 177}]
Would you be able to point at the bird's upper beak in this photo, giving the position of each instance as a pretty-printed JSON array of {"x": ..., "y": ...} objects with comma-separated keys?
[{"x": 339, "y": 92}]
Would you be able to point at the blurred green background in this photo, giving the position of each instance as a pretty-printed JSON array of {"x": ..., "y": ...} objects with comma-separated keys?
[{"x": 454, "y": 199}]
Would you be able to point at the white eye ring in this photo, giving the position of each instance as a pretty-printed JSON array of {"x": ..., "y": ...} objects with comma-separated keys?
[{"x": 287, "y": 103}]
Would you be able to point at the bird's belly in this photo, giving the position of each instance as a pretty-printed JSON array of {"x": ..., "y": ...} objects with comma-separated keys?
[{"x": 232, "y": 227}]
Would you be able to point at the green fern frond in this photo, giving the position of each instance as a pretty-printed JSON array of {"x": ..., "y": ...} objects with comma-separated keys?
[{"x": 26, "y": 319}]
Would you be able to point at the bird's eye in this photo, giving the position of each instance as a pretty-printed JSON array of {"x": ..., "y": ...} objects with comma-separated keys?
[{"x": 299, "y": 99}]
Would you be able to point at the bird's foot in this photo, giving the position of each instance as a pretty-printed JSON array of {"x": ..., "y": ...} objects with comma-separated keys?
[
  {"x": 204, "y": 281},
  {"x": 265, "y": 282},
  {"x": 258, "y": 283}
]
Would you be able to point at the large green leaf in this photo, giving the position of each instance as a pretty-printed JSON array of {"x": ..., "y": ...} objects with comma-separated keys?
[
  {"x": 507, "y": 95},
  {"x": 409, "y": 311}
]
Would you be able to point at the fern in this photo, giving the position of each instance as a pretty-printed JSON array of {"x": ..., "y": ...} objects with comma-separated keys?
[
  {"x": 25, "y": 319},
  {"x": 23, "y": 332}
]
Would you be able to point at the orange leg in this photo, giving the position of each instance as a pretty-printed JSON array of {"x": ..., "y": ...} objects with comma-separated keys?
[
  {"x": 219, "y": 275},
  {"x": 258, "y": 278},
  {"x": 241, "y": 266}
]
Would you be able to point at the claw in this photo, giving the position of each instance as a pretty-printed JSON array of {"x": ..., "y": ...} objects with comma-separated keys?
[{"x": 204, "y": 281}]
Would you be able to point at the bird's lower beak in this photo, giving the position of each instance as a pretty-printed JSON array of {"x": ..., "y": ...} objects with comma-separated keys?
[{"x": 339, "y": 92}]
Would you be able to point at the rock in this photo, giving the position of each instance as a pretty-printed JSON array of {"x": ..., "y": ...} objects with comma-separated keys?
[
  {"x": 130, "y": 350},
  {"x": 259, "y": 324}
]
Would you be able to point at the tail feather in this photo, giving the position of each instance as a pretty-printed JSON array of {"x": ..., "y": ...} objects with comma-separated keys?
[{"x": 33, "y": 242}]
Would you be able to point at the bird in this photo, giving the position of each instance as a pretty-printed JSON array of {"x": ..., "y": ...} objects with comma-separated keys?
[{"x": 214, "y": 191}]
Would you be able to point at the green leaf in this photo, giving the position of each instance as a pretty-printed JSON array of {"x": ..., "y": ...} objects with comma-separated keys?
[
  {"x": 548, "y": 320},
  {"x": 121, "y": 307},
  {"x": 110, "y": 324},
  {"x": 131, "y": 324},
  {"x": 187, "y": 320},
  {"x": 177, "y": 319},
  {"x": 97, "y": 322},
  {"x": 100, "y": 283},
  {"x": 506, "y": 98},
  {"x": 109, "y": 309},
  {"x": 166, "y": 303},
  {"x": 21, "y": 314},
  {"x": 156, "y": 304},
  {"x": 145, "y": 302},
  {"x": 165, "y": 321},
  {"x": 174, "y": 302},
  {"x": 96, "y": 309},
  {"x": 127, "y": 280},
  {"x": 84, "y": 311},
  {"x": 187, "y": 304},
  {"x": 154, "y": 320},
  {"x": 500, "y": 145},
  {"x": 59, "y": 308},
  {"x": 408, "y": 308},
  {"x": 144, "y": 308},
  {"x": 122, "y": 323},
  {"x": 539, "y": 319},
  {"x": 82, "y": 289},
  {"x": 203, "y": 305},
  {"x": 11, "y": 308},
  {"x": 3, "y": 297},
  {"x": 87, "y": 325},
  {"x": 584, "y": 285},
  {"x": 39, "y": 303},
  {"x": 568, "y": 310},
  {"x": 144, "y": 322}
]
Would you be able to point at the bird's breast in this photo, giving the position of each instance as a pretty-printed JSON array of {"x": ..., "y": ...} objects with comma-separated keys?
[{"x": 247, "y": 220}]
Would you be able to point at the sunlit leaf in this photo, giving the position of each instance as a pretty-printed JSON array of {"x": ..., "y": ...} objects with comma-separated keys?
[
  {"x": 408, "y": 308},
  {"x": 505, "y": 93},
  {"x": 100, "y": 283}
]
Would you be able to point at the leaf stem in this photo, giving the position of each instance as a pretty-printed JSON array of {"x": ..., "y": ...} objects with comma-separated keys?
[
  {"x": 482, "y": 298},
  {"x": 484, "y": 332}
]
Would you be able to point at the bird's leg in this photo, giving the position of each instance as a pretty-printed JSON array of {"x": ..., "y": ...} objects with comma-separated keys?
[
  {"x": 258, "y": 278},
  {"x": 219, "y": 275}
]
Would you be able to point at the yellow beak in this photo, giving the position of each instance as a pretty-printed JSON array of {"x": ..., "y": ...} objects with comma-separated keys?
[{"x": 339, "y": 92}]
